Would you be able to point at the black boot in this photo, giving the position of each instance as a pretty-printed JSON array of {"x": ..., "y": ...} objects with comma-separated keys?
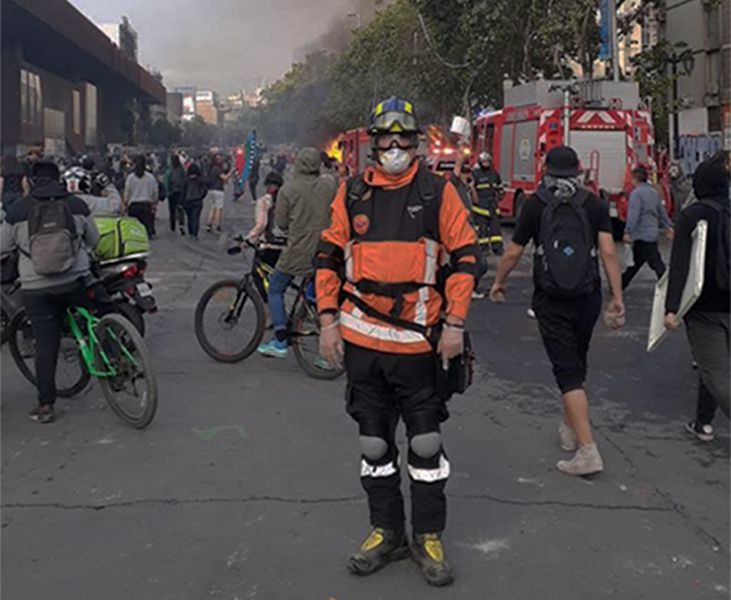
[
  {"x": 381, "y": 547},
  {"x": 428, "y": 553}
]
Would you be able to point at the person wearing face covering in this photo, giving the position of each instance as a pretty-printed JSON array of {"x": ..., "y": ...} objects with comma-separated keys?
[
  {"x": 379, "y": 301},
  {"x": 707, "y": 322}
]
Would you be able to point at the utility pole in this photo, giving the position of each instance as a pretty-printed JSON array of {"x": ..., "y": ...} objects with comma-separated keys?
[{"x": 615, "y": 39}]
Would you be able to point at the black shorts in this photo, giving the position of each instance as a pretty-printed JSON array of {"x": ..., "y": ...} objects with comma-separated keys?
[
  {"x": 383, "y": 387},
  {"x": 566, "y": 327}
]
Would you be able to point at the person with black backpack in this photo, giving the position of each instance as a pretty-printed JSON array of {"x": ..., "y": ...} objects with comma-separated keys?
[
  {"x": 707, "y": 322},
  {"x": 53, "y": 232},
  {"x": 571, "y": 229}
]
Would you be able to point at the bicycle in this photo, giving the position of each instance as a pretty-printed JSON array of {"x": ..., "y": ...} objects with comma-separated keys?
[
  {"x": 107, "y": 348},
  {"x": 230, "y": 319}
]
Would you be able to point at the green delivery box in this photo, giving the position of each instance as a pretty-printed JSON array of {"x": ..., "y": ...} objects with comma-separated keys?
[{"x": 121, "y": 237}]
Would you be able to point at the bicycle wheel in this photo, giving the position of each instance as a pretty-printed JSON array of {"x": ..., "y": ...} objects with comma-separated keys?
[
  {"x": 305, "y": 342},
  {"x": 230, "y": 320},
  {"x": 132, "y": 314},
  {"x": 4, "y": 324},
  {"x": 132, "y": 388},
  {"x": 71, "y": 374}
]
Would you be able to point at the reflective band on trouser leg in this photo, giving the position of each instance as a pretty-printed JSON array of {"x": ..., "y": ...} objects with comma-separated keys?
[
  {"x": 428, "y": 502},
  {"x": 381, "y": 481}
]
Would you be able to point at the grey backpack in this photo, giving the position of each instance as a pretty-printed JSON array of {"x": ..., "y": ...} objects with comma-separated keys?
[{"x": 53, "y": 240}]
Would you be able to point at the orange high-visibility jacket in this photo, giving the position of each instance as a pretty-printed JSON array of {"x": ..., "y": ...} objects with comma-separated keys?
[{"x": 379, "y": 248}]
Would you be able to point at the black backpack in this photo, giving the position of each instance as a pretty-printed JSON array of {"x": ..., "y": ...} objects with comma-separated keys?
[
  {"x": 52, "y": 237},
  {"x": 723, "y": 243},
  {"x": 566, "y": 263}
]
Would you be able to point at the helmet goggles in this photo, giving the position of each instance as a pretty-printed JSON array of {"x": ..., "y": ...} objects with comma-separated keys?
[{"x": 394, "y": 122}]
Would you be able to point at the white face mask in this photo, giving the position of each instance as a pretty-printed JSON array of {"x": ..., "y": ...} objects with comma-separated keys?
[{"x": 395, "y": 161}]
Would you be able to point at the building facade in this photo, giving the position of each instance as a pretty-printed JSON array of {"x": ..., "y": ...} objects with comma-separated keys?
[
  {"x": 206, "y": 106},
  {"x": 704, "y": 83},
  {"x": 65, "y": 86},
  {"x": 122, "y": 35}
]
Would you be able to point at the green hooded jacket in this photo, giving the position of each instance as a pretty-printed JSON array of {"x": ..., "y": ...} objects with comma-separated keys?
[{"x": 303, "y": 212}]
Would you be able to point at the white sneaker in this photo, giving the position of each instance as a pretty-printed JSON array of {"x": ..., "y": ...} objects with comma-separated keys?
[
  {"x": 567, "y": 436},
  {"x": 531, "y": 313},
  {"x": 703, "y": 433},
  {"x": 586, "y": 461},
  {"x": 478, "y": 295}
]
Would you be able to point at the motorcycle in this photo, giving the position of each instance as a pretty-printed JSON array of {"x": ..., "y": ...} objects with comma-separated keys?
[{"x": 125, "y": 289}]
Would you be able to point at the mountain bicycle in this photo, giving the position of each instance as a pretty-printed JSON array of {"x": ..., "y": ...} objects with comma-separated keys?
[
  {"x": 109, "y": 349},
  {"x": 230, "y": 319}
]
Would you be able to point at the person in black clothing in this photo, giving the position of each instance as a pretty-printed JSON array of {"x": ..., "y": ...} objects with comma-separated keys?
[
  {"x": 281, "y": 164},
  {"x": 566, "y": 325},
  {"x": 47, "y": 296},
  {"x": 254, "y": 174},
  {"x": 488, "y": 185},
  {"x": 14, "y": 182},
  {"x": 194, "y": 192},
  {"x": 707, "y": 322},
  {"x": 175, "y": 184}
]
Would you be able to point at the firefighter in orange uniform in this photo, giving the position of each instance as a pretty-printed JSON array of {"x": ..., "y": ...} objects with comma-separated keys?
[{"x": 396, "y": 229}]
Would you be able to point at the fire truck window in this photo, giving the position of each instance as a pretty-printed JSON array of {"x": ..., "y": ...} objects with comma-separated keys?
[
  {"x": 524, "y": 160},
  {"x": 506, "y": 153},
  {"x": 489, "y": 137}
]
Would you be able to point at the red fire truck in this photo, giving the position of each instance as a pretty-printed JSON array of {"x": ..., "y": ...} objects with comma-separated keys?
[
  {"x": 354, "y": 147},
  {"x": 604, "y": 121}
]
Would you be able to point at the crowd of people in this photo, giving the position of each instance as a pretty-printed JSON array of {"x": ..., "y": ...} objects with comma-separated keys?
[{"x": 397, "y": 254}]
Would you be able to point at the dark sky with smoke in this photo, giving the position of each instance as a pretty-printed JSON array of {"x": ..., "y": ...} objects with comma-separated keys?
[{"x": 229, "y": 44}]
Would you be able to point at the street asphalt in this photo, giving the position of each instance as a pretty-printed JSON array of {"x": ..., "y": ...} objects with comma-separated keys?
[{"x": 246, "y": 485}]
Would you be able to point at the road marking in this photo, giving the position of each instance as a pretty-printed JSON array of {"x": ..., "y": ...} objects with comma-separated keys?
[{"x": 208, "y": 434}]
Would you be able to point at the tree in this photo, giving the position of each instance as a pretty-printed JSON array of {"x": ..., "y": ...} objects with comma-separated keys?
[
  {"x": 163, "y": 133},
  {"x": 197, "y": 133},
  {"x": 656, "y": 78}
]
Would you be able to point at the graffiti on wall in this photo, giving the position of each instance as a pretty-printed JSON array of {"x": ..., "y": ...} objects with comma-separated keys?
[{"x": 694, "y": 149}]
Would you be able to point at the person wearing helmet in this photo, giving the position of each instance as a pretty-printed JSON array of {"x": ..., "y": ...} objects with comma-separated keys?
[
  {"x": 78, "y": 181},
  {"x": 380, "y": 303},
  {"x": 488, "y": 185}
]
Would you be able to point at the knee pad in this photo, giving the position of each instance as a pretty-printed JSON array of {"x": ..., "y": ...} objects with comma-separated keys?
[
  {"x": 426, "y": 445},
  {"x": 372, "y": 447}
]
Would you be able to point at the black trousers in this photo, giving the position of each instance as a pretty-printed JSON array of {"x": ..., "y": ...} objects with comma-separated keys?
[
  {"x": 644, "y": 252},
  {"x": 382, "y": 389},
  {"x": 142, "y": 211},
  {"x": 193, "y": 212},
  {"x": 177, "y": 215},
  {"x": 709, "y": 335},
  {"x": 566, "y": 328},
  {"x": 47, "y": 311}
]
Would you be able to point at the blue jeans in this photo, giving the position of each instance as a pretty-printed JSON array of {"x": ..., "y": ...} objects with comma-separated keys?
[{"x": 278, "y": 284}]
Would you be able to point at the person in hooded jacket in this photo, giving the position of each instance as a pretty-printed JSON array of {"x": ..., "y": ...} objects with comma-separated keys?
[
  {"x": 302, "y": 213},
  {"x": 175, "y": 178},
  {"x": 707, "y": 322},
  {"x": 194, "y": 192},
  {"x": 46, "y": 297}
]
